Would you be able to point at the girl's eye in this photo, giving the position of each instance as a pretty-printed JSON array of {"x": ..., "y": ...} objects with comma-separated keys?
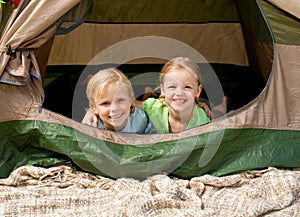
[
  {"x": 188, "y": 87},
  {"x": 171, "y": 87}
]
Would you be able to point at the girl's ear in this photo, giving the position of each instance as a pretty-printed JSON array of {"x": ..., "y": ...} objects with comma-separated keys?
[
  {"x": 199, "y": 89},
  {"x": 162, "y": 91}
]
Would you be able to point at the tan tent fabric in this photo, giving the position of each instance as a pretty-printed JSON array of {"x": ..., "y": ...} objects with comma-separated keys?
[
  {"x": 30, "y": 26},
  {"x": 290, "y": 6},
  {"x": 64, "y": 191},
  {"x": 91, "y": 39},
  {"x": 29, "y": 30},
  {"x": 279, "y": 105}
]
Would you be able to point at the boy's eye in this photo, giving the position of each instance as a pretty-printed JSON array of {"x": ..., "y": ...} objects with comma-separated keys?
[
  {"x": 188, "y": 87},
  {"x": 104, "y": 103},
  {"x": 171, "y": 86},
  {"x": 120, "y": 100}
]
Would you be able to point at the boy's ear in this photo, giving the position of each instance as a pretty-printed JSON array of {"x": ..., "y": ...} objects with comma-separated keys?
[
  {"x": 199, "y": 89},
  {"x": 94, "y": 110}
]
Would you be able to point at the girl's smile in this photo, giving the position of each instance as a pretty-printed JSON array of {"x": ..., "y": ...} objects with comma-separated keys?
[{"x": 180, "y": 89}]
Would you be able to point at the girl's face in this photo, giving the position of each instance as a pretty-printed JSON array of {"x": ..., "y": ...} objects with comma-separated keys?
[
  {"x": 180, "y": 89},
  {"x": 113, "y": 107}
]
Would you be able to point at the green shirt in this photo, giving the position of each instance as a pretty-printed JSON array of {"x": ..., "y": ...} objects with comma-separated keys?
[{"x": 157, "y": 111}]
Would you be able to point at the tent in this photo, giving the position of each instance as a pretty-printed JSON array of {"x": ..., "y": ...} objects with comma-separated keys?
[{"x": 261, "y": 37}]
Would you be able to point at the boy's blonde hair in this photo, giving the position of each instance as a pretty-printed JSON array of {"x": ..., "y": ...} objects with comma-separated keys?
[{"x": 100, "y": 81}]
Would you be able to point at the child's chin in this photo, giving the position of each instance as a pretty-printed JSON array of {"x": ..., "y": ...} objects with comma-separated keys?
[
  {"x": 120, "y": 126},
  {"x": 179, "y": 107}
]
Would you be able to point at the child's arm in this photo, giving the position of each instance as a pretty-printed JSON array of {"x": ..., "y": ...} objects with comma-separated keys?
[
  {"x": 148, "y": 93},
  {"x": 205, "y": 107},
  {"x": 90, "y": 119},
  {"x": 138, "y": 104}
]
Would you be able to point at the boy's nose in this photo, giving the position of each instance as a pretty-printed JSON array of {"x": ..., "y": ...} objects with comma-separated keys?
[{"x": 113, "y": 106}]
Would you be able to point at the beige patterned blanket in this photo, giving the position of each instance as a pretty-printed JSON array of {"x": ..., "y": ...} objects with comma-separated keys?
[{"x": 65, "y": 191}]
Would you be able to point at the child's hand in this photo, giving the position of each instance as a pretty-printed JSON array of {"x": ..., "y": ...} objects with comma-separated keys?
[
  {"x": 205, "y": 107},
  {"x": 90, "y": 119}
]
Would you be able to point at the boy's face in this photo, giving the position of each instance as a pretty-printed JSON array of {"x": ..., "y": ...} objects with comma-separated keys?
[
  {"x": 113, "y": 107},
  {"x": 180, "y": 89}
]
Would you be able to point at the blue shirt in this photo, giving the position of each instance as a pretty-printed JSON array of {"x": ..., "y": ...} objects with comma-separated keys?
[{"x": 137, "y": 122}]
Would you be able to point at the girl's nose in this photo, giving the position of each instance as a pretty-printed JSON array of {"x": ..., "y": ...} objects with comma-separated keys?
[{"x": 178, "y": 91}]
